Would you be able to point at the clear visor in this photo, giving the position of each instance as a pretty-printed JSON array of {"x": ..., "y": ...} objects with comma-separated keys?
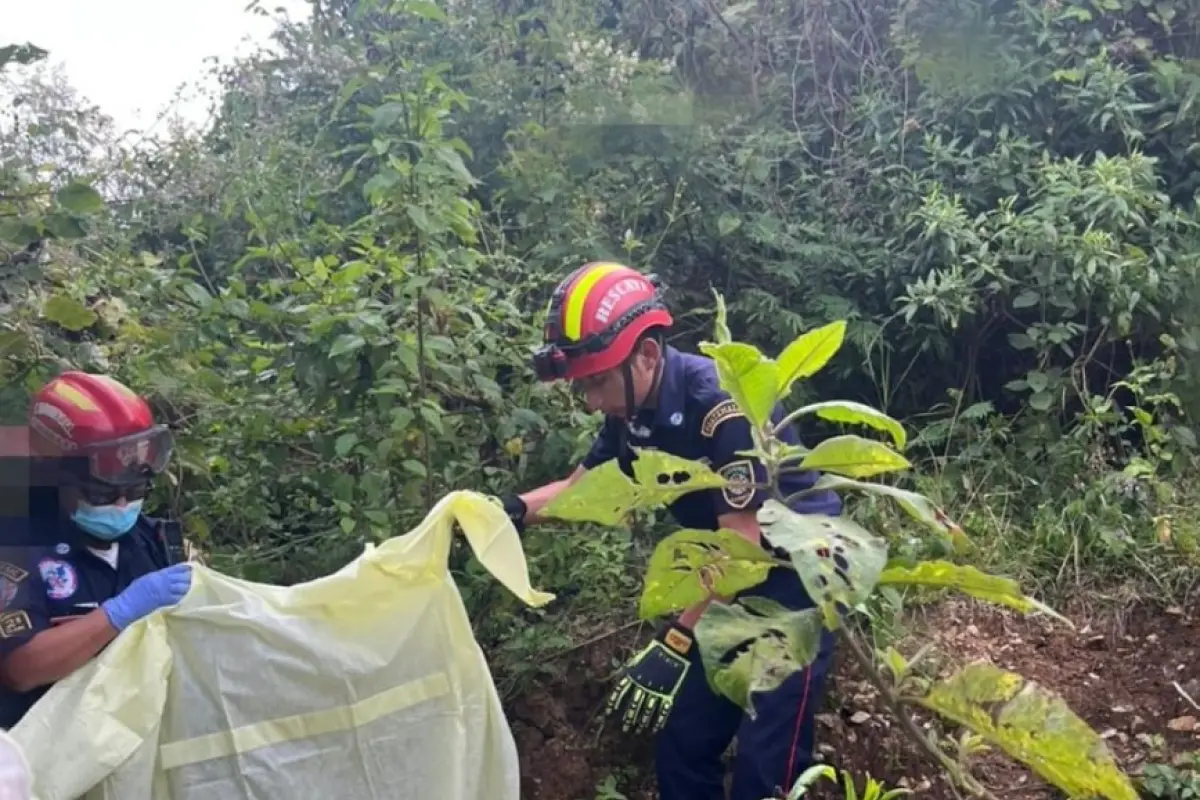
[{"x": 132, "y": 458}]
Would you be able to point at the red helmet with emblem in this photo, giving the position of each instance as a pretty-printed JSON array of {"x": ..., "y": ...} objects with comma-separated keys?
[
  {"x": 101, "y": 425},
  {"x": 596, "y": 316}
]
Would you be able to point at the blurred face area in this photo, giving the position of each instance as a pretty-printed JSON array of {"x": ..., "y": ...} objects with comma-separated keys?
[{"x": 605, "y": 391}]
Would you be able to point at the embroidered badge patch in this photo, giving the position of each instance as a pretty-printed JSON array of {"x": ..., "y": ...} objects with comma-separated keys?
[
  {"x": 12, "y": 572},
  {"x": 740, "y": 490},
  {"x": 14, "y": 623},
  {"x": 60, "y": 578},
  {"x": 720, "y": 413},
  {"x": 8, "y": 591}
]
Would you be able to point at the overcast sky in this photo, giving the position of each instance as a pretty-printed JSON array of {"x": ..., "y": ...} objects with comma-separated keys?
[{"x": 130, "y": 56}]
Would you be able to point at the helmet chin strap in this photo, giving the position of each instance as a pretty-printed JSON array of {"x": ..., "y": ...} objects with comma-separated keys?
[{"x": 631, "y": 406}]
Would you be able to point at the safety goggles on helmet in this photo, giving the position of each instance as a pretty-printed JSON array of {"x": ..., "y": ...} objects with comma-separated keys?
[
  {"x": 132, "y": 459},
  {"x": 551, "y": 360}
]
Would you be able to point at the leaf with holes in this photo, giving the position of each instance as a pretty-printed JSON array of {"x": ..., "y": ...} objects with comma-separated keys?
[
  {"x": 748, "y": 376},
  {"x": 606, "y": 495},
  {"x": 854, "y": 457},
  {"x": 838, "y": 560},
  {"x": 847, "y": 412},
  {"x": 917, "y": 506},
  {"x": 811, "y": 351},
  {"x": 689, "y": 565},
  {"x": 968, "y": 580},
  {"x": 754, "y": 644},
  {"x": 1033, "y": 725},
  {"x": 666, "y": 477}
]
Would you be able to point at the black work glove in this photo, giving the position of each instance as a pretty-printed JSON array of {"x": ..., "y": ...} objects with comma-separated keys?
[
  {"x": 646, "y": 690},
  {"x": 516, "y": 509}
]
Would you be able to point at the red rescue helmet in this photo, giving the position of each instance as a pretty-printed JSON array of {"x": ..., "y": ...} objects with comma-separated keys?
[
  {"x": 102, "y": 423},
  {"x": 595, "y": 318}
]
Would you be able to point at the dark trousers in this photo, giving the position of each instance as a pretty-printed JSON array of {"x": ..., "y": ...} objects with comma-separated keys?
[{"x": 772, "y": 750}]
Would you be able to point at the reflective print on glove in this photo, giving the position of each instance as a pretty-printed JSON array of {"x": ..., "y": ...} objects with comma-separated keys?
[{"x": 646, "y": 690}]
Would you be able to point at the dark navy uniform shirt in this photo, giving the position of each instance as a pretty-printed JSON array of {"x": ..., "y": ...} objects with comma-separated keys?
[
  {"x": 47, "y": 573},
  {"x": 696, "y": 419}
]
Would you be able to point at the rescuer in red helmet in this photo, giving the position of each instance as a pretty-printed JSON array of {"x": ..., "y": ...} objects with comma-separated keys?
[
  {"x": 72, "y": 580},
  {"x": 605, "y": 333}
]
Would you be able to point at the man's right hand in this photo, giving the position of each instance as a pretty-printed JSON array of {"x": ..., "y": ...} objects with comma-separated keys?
[{"x": 147, "y": 594}]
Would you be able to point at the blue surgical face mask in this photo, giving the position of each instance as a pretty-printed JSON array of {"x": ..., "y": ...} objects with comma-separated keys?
[{"x": 107, "y": 522}]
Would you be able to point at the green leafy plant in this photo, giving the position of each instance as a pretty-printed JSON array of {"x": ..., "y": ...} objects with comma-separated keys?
[
  {"x": 1178, "y": 781},
  {"x": 872, "y": 789},
  {"x": 840, "y": 564}
]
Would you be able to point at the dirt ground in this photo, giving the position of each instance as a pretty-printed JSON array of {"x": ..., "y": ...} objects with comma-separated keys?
[{"x": 1125, "y": 674}]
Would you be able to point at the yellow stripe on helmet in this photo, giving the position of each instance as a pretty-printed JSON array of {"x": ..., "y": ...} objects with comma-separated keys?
[
  {"x": 73, "y": 396},
  {"x": 577, "y": 298}
]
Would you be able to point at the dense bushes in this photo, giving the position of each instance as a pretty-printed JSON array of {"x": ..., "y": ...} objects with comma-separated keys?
[{"x": 333, "y": 290}]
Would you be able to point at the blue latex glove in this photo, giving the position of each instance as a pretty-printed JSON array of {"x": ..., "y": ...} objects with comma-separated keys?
[{"x": 147, "y": 594}]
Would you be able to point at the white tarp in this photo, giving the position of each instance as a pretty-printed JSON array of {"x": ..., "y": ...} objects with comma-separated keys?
[{"x": 362, "y": 685}]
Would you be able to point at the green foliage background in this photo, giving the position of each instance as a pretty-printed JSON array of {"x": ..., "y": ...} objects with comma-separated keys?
[{"x": 331, "y": 291}]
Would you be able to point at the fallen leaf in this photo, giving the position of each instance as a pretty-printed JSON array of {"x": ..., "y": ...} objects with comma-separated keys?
[
  {"x": 1183, "y": 724},
  {"x": 859, "y": 717}
]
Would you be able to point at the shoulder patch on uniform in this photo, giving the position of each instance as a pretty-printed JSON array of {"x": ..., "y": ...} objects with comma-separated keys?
[
  {"x": 12, "y": 572},
  {"x": 721, "y": 412},
  {"x": 60, "y": 578},
  {"x": 8, "y": 592},
  {"x": 14, "y": 623},
  {"x": 740, "y": 490}
]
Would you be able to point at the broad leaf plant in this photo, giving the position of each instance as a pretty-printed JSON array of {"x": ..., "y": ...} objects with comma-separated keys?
[{"x": 751, "y": 645}]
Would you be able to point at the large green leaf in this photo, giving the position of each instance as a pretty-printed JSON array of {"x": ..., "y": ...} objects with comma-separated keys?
[
  {"x": 79, "y": 198},
  {"x": 851, "y": 413},
  {"x": 69, "y": 313},
  {"x": 64, "y": 226},
  {"x": 837, "y": 559},
  {"x": 607, "y": 496},
  {"x": 689, "y": 565},
  {"x": 811, "y": 351},
  {"x": 1033, "y": 725},
  {"x": 967, "y": 579},
  {"x": 748, "y": 376},
  {"x": 668, "y": 477},
  {"x": 917, "y": 506},
  {"x": 753, "y": 645},
  {"x": 16, "y": 232},
  {"x": 854, "y": 457}
]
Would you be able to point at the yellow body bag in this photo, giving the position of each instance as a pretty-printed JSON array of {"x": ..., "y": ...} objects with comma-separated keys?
[{"x": 362, "y": 685}]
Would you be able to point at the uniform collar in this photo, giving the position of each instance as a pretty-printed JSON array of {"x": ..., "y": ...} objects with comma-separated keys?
[{"x": 671, "y": 391}]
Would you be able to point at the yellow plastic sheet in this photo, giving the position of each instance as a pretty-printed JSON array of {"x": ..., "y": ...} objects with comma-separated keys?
[{"x": 362, "y": 685}]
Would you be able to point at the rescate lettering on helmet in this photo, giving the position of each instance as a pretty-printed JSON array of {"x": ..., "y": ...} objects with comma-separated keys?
[
  {"x": 614, "y": 295},
  {"x": 73, "y": 396},
  {"x": 56, "y": 414},
  {"x": 62, "y": 442}
]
